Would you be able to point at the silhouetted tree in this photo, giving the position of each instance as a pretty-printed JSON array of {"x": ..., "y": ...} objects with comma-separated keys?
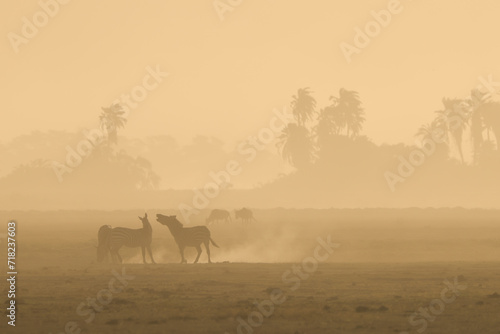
[
  {"x": 347, "y": 112},
  {"x": 303, "y": 106},
  {"x": 429, "y": 132},
  {"x": 139, "y": 170},
  {"x": 454, "y": 118},
  {"x": 112, "y": 119},
  {"x": 484, "y": 120},
  {"x": 490, "y": 112},
  {"x": 295, "y": 145},
  {"x": 476, "y": 121},
  {"x": 325, "y": 128}
]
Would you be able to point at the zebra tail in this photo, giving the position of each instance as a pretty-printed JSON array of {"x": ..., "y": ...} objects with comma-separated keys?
[{"x": 213, "y": 243}]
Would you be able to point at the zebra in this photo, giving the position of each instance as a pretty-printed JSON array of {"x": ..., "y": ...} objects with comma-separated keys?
[
  {"x": 218, "y": 215},
  {"x": 103, "y": 242},
  {"x": 142, "y": 237},
  {"x": 244, "y": 214},
  {"x": 187, "y": 236}
]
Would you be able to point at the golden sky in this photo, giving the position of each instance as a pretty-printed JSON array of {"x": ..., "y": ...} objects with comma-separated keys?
[{"x": 225, "y": 77}]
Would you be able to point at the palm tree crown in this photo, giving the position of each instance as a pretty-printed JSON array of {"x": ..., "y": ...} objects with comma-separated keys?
[
  {"x": 111, "y": 119},
  {"x": 347, "y": 112},
  {"x": 303, "y": 106}
]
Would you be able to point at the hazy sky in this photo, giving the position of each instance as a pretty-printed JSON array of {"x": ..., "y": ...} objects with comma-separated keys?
[{"x": 227, "y": 76}]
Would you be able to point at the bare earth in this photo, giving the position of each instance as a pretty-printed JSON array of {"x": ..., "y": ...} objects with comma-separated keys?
[{"x": 351, "y": 292}]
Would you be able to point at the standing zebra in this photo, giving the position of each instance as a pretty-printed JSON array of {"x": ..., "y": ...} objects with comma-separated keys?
[
  {"x": 121, "y": 236},
  {"x": 103, "y": 242},
  {"x": 187, "y": 236}
]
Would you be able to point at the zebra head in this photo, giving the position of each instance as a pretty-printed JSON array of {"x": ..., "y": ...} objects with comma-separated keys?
[
  {"x": 144, "y": 219},
  {"x": 169, "y": 221}
]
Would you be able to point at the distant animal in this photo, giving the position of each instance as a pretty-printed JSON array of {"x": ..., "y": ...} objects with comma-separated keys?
[
  {"x": 218, "y": 215},
  {"x": 142, "y": 237},
  {"x": 103, "y": 242},
  {"x": 187, "y": 236},
  {"x": 244, "y": 214}
]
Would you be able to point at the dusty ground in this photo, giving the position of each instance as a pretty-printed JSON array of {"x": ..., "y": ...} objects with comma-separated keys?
[
  {"x": 205, "y": 298},
  {"x": 380, "y": 276}
]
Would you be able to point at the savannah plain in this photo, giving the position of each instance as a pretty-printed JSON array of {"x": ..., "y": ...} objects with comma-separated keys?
[
  {"x": 289, "y": 108},
  {"x": 388, "y": 265}
]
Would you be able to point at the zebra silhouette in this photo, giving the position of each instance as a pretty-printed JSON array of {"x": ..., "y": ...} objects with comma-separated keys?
[
  {"x": 187, "y": 236},
  {"x": 121, "y": 236},
  {"x": 217, "y": 215},
  {"x": 244, "y": 214}
]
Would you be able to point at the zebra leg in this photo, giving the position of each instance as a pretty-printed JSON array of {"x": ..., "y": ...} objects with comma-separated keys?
[
  {"x": 207, "y": 246},
  {"x": 118, "y": 255},
  {"x": 144, "y": 255},
  {"x": 114, "y": 256},
  {"x": 151, "y": 254},
  {"x": 198, "y": 248},
  {"x": 183, "y": 260}
]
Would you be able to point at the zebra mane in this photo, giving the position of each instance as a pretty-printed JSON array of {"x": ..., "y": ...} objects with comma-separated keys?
[
  {"x": 176, "y": 222},
  {"x": 169, "y": 221}
]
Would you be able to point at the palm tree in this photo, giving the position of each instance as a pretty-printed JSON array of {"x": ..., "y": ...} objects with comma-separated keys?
[
  {"x": 330, "y": 124},
  {"x": 428, "y": 132},
  {"x": 476, "y": 121},
  {"x": 453, "y": 118},
  {"x": 303, "y": 106},
  {"x": 348, "y": 112},
  {"x": 295, "y": 145},
  {"x": 425, "y": 132},
  {"x": 489, "y": 112},
  {"x": 112, "y": 119},
  {"x": 325, "y": 127}
]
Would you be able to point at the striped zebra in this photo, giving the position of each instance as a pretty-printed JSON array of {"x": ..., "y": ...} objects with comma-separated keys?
[
  {"x": 121, "y": 236},
  {"x": 103, "y": 242},
  {"x": 187, "y": 236}
]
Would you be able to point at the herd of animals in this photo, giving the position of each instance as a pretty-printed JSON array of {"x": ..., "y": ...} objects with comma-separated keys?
[
  {"x": 110, "y": 240},
  {"x": 218, "y": 215}
]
